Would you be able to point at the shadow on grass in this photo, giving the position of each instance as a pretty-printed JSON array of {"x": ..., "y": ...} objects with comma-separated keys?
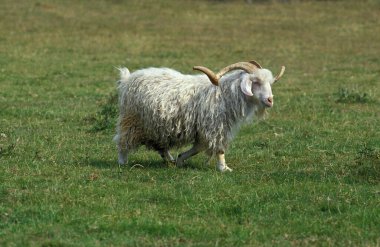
[
  {"x": 144, "y": 164},
  {"x": 102, "y": 164}
]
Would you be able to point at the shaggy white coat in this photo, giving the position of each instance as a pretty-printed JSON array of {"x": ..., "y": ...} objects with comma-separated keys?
[{"x": 162, "y": 108}]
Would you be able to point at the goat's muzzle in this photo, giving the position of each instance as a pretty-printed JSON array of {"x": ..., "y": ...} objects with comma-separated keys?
[{"x": 268, "y": 102}]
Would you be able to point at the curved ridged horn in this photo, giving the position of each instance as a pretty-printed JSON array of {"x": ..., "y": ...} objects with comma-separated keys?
[
  {"x": 256, "y": 63},
  {"x": 280, "y": 74},
  {"x": 210, "y": 74},
  {"x": 247, "y": 67},
  {"x": 214, "y": 78}
]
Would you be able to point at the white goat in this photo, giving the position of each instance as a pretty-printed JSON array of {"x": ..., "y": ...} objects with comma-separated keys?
[{"x": 162, "y": 108}]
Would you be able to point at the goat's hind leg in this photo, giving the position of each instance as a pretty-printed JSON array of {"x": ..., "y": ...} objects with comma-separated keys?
[
  {"x": 121, "y": 149},
  {"x": 185, "y": 155},
  {"x": 129, "y": 135},
  {"x": 122, "y": 154}
]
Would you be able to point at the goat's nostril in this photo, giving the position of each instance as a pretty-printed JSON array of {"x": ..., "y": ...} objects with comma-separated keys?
[{"x": 270, "y": 100}]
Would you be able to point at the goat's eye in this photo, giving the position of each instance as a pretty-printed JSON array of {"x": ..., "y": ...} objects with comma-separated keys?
[{"x": 256, "y": 82}]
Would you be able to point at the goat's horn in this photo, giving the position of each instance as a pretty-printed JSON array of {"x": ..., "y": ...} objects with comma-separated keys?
[
  {"x": 256, "y": 63},
  {"x": 247, "y": 67},
  {"x": 280, "y": 74},
  {"x": 210, "y": 74},
  {"x": 214, "y": 78}
]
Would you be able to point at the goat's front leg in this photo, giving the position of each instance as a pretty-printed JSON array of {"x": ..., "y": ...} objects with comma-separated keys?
[
  {"x": 221, "y": 164},
  {"x": 185, "y": 155}
]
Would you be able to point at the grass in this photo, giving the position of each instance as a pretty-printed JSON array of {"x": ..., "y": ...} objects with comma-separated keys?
[
  {"x": 345, "y": 95},
  {"x": 308, "y": 175}
]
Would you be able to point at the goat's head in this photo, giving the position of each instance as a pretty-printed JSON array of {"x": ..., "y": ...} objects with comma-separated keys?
[{"x": 255, "y": 83}]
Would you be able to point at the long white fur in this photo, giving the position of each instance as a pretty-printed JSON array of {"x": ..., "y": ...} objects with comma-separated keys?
[{"x": 171, "y": 109}]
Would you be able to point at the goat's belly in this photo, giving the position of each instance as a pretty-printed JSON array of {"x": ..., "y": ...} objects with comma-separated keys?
[{"x": 166, "y": 138}]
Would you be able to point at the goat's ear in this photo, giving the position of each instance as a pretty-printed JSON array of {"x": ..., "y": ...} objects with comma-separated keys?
[{"x": 246, "y": 85}]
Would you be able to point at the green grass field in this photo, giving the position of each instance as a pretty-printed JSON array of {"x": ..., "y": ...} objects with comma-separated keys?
[{"x": 309, "y": 175}]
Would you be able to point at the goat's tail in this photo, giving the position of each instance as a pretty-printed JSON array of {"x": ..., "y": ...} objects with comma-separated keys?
[{"x": 124, "y": 75}]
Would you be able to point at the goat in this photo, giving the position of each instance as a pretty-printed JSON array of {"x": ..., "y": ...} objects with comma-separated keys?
[{"x": 162, "y": 108}]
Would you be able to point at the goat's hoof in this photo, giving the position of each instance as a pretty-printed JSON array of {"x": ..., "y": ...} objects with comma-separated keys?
[
  {"x": 224, "y": 169},
  {"x": 172, "y": 161},
  {"x": 122, "y": 159}
]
